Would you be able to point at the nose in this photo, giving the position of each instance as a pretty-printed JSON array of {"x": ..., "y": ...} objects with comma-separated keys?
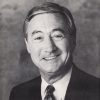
[{"x": 50, "y": 46}]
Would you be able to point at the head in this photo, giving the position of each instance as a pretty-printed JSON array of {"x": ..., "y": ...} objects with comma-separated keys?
[{"x": 50, "y": 36}]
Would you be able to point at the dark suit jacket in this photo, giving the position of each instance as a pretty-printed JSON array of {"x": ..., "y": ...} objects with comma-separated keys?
[{"x": 81, "y": 87}]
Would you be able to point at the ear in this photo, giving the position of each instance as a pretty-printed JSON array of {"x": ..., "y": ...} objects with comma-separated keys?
[{"x": 27, "y": 45}]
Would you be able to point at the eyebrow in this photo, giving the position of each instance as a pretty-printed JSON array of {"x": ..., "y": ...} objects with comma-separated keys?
[
  {"x": 36, "y": 31},
  {"x": 58, "y": 29}
]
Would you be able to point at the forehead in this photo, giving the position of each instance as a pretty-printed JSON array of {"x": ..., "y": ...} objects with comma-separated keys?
[
  {"x": 44, "y": 13},
  {"x": 46, "y": 20}
]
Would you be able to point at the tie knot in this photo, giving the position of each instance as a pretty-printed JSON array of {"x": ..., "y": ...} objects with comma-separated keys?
[{"x": 50, "y": 89}]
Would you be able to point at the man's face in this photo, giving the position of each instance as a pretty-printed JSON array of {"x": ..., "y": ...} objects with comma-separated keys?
[{"x": 48, "y": 42}]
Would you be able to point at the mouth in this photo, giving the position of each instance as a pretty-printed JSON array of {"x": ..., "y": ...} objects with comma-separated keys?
[{"x": 50, "y": 58}]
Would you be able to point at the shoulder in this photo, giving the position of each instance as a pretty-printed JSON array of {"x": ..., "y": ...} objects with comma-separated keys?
[
  {"x": 24, "y": 90},
  {"x": 86, "y": 81},
  {"x": 29, "y": 84},
  {"x": 83, "y": 85},
  {"x": 85, "y": 76}
]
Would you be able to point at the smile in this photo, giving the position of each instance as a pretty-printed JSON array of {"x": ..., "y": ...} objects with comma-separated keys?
[{"x": 50, "y": 58}]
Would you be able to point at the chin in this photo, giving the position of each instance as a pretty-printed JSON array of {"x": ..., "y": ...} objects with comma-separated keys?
[{"x": 50, "y": 70}]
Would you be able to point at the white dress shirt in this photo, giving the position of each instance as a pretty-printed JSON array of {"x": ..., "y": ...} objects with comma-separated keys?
[{"x": 60, "y": 86}]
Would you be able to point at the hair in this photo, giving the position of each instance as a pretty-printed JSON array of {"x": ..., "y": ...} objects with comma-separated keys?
[{"x": 49, "y": 7}]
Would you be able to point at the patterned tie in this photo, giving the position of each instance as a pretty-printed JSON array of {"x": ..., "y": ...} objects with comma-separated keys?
[{"x": 49, "y": 93}]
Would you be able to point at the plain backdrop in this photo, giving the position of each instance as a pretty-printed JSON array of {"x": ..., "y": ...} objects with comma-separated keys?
[{"x": 15, "y": 63}]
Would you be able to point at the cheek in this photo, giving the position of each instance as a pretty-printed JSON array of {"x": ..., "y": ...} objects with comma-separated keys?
[
  {"x": 34, "y": 51},
  {"x": 63, "y": 46}
]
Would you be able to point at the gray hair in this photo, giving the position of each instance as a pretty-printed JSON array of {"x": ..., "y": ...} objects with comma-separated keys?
[{"x": 49, "y": 7}]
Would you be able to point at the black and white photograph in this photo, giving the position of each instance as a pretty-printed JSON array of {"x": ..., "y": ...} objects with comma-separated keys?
[{"x": 49, "y": 49}]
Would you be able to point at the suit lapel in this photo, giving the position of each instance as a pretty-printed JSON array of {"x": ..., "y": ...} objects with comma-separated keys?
[
  {"x": 75, "y": 89},
  {"x": 36, "y": 90}
]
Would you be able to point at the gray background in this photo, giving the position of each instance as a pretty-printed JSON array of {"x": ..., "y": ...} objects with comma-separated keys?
[{"x": 15, "y": 63}]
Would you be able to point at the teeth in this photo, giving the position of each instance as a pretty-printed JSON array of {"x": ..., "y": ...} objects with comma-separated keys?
[{"x": 49, "y": 58}]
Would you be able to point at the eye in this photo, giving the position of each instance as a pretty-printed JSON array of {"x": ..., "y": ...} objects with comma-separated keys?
[
  {"x": 38, "y": 38},
  {"x": 58, "y": 36}
]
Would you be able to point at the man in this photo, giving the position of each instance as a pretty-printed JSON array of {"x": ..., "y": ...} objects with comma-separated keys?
[{"x": 50, "y": 37}]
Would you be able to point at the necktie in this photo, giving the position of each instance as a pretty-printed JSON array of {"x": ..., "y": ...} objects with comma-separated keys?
[{"x": 49, "y": 93}]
